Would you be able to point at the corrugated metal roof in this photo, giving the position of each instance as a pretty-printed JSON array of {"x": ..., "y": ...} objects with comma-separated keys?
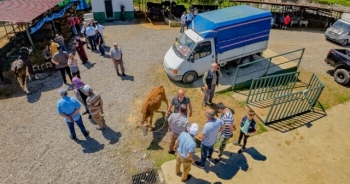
[{"x": 24, "y": 10}]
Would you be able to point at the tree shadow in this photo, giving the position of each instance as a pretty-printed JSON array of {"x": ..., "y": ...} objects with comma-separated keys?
[
  {"x": 127, "y": 77},
  {"x": 159, "y": 132},
  {"x": 90, "y": 145},
  {"x": 226, "y": 169},
  {"x": 111, "y": 135},
  {"x": 255, "y": 154}
]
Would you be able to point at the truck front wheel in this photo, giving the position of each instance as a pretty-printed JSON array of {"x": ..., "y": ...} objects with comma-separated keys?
[
  {"x": 341, "y": 76},
  {"x": 189, "y": 77}
]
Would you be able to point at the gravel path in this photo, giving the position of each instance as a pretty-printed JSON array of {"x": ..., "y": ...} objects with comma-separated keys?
[{"x": 35, "y": 143}]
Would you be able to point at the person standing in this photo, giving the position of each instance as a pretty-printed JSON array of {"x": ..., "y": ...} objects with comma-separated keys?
[
  {"x": 60, "y": 41},
  {"x": 95, "y": 106},
  {"x": 76, "y": 23},
  {"x": 71, "y": 24},
  {"x": 100, "y": 29},
  {"x": 183, "y": 22},
  {"x": 281, "y": 21},
  {"x": 210, "y": 81},
  {"x": 286, "y": 22},
  {"x": 226, "y": 131},
  {"x": 68, "y": 107},
  {"x": 79, "y": 47},
  {"x": 46, "y": 53},
  {"x": 78, "y": 87},
  {"x": 117, "y": 58},
  {"x": 177, "y": 101},
  {"x": 178, "y": 123},
  {"x": 189, "y": 18},
  {"x": 99, "y": 42},
  {"x": 73, "y": 65},
  {"x": 248, "y": 127},
  {"x": 208, "y": 136},
  {"x": 185, "y": 146},
  {"x": 53, "y": 47},
  {"x": 90, "y": 32},
  {"x": 83, "y": 31},
  {"x": 60, "y": 59}
]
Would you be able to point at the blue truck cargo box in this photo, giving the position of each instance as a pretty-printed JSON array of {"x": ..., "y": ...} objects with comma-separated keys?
[{"x": 233, "y": 27}]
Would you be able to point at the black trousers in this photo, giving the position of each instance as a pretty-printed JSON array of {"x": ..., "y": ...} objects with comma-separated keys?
[
  {"x": 77, "y": 73},
  {"x": 63, "y": 73},
  {"x": 92, "y": 42},
  {"x": 241, "y": 135}
]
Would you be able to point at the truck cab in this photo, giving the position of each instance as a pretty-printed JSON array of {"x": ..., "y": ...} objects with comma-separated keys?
[
  {"x": 189, "y": 57},
  {"x": 340, "y": 31}
]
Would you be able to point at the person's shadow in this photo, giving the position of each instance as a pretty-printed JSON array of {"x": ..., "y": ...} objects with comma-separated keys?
[
  {"x": 89, "y": 65},
  {"x": 127, "y": 77},
  {"x": 111, "y": 135},
  {"x": 90, "y": 145},
  {"x": 255, "y": 154}
]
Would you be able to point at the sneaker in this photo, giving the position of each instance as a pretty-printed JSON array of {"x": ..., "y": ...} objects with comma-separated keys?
[
  {"x": 144, "y": 129},
  {"x": 237, "y": 143},
  {"x": 123, "y": 74},
  {"x": 171, "y": 152},
  {"x": 188, "y": 177},
  {"x": 241, "y": 150},
  {"x": 87, "y": 134},
  {"x": 118, "y": 73},
  {"x": 199, "y": 164},
  {"x": 73, "y": 138}
]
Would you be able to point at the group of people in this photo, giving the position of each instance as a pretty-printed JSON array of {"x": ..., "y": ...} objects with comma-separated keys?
[
  {"x": 219, "y": 130},
  {"x": 281, "y": 21},
  {"x": 186, "y": 19},
  {"x": 93, "y": 33}
]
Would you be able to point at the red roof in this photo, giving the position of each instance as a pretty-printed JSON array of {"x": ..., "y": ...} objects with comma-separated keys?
[{"x": 24, "y": 10}]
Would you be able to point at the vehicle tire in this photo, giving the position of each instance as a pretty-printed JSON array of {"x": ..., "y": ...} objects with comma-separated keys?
[
  {"x": 341, "y": 76},
  {"x": 245, "y": 60},
  {"x": 189, "y": 77},
  {"x": 345, "y": 42}
]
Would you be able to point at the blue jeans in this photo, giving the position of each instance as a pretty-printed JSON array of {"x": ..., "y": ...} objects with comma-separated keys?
[
  {"x": 101, "y": 49},
  {"x": 64, "y": 48},
  {"x": 80, "y": 124},
  {"x": 204, "y": 153}
]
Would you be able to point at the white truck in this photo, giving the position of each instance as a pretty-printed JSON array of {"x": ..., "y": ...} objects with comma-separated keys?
[
  {"x": 340, "y": 31},
  {"x": 224, "y": 35}
]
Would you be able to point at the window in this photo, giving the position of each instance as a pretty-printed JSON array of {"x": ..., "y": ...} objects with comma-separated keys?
[{"x": 202, "y": 49}]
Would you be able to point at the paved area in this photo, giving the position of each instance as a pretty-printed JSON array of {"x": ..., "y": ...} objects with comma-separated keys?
[{"x": 316, "y": 153}]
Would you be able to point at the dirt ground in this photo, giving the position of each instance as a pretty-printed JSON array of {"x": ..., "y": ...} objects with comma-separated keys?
[{"x": 45, "y": 154}]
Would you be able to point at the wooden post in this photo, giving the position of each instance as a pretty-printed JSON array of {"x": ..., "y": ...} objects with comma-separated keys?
[
  {"x": 13, "y": 28},
  {"x": 29, "y": 37},
  {"x": 54, "y": 27},
  {"x": 7, "y": 34}
]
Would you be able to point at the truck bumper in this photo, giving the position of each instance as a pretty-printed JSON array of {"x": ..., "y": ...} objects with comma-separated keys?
[
  {"x": 334, "y": 39},
  {"x": 171, "y": 75}
]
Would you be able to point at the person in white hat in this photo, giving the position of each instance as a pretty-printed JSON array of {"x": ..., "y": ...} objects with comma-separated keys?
[
  {"x": 95, "y": 106},
  {"x": 69, "y": 107},
  {"x": 185, "y": 146}
]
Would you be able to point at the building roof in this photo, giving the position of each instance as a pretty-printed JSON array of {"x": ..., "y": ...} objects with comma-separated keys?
[{"x": 24, "y": 10}]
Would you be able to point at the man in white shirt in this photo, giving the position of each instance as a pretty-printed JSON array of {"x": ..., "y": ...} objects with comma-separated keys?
[
  {"x": 83, "y": 31},
  {"x": 100, "y": 29},
  {"x": 183, "y": 22},
  {"x": 117, "y": 58},
  {"x": 90, "y": 33}
]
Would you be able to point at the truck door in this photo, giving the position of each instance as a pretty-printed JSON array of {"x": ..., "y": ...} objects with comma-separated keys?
[{"x": 203, "y": 57}]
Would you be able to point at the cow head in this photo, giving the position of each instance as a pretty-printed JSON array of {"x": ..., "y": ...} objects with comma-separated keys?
[{"x": 144, "y": 125}]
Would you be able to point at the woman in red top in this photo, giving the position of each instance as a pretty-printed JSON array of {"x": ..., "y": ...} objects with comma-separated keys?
[
  {"x": 286, "y": 22},
  {"x": 79, "y": 46}
]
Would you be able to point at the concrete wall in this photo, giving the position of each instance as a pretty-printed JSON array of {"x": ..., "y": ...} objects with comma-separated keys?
[{"x": 98, "y": 9}]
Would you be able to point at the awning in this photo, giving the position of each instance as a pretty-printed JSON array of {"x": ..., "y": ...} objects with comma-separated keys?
[{"x": 24, "y": 10}]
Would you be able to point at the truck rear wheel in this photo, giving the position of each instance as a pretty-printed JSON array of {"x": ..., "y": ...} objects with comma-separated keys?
[
  {"x": 189, "y": 77},
  {"x": 345, "y": 42},
  {"x": 341, "y": 76},
  {"x": 245, "y": 60}
]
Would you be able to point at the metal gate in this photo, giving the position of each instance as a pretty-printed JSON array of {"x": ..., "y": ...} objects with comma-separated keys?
[{"x": 273, "y": 98}]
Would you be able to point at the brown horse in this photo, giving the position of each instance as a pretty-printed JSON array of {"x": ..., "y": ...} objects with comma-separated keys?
[{"x": 20, "y": 69}]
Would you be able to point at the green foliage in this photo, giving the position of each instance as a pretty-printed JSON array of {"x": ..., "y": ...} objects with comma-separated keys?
[{"x": 341, "y": 2}]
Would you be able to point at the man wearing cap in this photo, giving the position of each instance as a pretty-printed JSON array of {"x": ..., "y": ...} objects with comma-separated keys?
[
  {"x": 69, "y": 107},
  {"x": 208, "y": 136},
  {"x": 117, "y": 58},
  {"x": 95, "y": 105},
  {"x": 226, "y": 131},
  {"x": 60, "y": 59},
  {"x": 177, "y": 101},
  {"x": 60, "y": 41},
  {"x": 185, "y": 147},
  {"x": 178, "y": 123}
]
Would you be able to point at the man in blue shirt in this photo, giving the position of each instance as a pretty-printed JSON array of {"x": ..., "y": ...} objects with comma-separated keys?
[
  {"x": 185, "y": 147},
  {"x": 209, "y": 136},
  {"x": 68, "y": 107},
  {"x": 189, "y": 18},
  {"x": 248, "y": 127}
]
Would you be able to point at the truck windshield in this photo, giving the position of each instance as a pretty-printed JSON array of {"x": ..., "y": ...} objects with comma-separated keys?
[
  {"x": 183, "y": 46},
  {"x": 341, "y": 25}
]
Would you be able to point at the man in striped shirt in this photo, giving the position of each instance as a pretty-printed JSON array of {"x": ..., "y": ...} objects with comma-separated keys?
[
  {"x": 95, "y": 105},
  {"x": 226, "y": 131}
]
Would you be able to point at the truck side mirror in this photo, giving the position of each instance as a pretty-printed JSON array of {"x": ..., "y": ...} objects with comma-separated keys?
[
  {"x": 176, "y": 39},
  {"x": 191, "y": 59}
]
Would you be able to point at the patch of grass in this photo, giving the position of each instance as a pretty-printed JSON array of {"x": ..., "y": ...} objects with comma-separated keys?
[
  {"x": 341, "y": 2},
  {"x": 160, "y": 156},
  {"x": 260, "y": 128}
]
